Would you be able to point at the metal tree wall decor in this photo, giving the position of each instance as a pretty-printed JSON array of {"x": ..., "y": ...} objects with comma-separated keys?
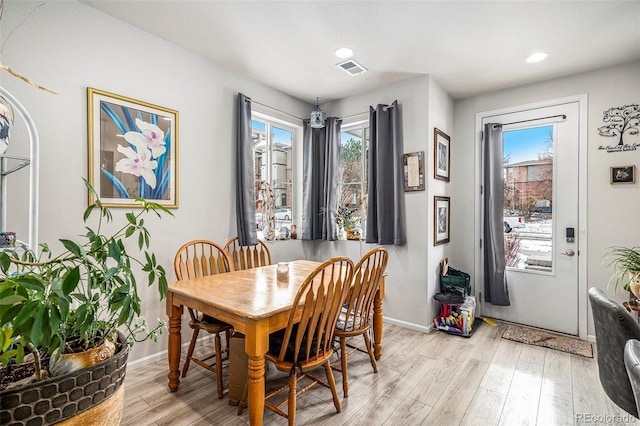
[{"x": 620, "y": 121}]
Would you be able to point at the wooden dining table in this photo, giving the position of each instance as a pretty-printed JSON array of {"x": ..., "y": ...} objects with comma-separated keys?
[{"x": 256, "y": 303}]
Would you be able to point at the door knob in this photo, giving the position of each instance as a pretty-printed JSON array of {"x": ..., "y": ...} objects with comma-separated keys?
[{"x": 569, "y": 253}]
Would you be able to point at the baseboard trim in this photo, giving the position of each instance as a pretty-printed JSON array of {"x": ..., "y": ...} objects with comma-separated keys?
[{"x": 409, "y": 325}]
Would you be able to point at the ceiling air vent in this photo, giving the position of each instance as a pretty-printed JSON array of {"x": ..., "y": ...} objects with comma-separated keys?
[{"x": 351, "y": 67}]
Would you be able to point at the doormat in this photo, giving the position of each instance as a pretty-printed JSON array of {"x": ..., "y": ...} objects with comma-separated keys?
[{"x": 548, "y": 340}]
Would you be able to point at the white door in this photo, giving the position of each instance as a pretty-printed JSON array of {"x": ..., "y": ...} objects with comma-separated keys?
[{"x": 541, "y": 155}]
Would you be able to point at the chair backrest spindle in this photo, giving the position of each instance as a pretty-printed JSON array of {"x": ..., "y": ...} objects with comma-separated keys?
[
  {"x": 247, "y": 257},
  {"x": 200, "y": 258}
]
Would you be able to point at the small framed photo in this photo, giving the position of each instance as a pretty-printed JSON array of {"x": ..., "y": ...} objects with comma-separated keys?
[
  {"x": 414, "y": 171},
  {"x": 133, "y": 150},
  {"x": 441, "y": 155},
  {"x": 623, "y": 174},
  {"x": 441, "y": 220}
]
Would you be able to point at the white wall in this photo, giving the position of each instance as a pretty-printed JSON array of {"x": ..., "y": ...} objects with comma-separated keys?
[
  {"x": 67, "y": 46},
  {"x": 612, "y": 212},
  {"x": 440, "y": 117},
  {"x": 413, "y": 269}
]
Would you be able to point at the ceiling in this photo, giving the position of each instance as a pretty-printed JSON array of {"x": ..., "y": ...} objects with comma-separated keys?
[{"x": 468, "y": 47}]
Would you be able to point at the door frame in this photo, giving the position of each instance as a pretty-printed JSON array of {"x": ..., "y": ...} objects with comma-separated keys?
[{"x": 582, "y": 101}]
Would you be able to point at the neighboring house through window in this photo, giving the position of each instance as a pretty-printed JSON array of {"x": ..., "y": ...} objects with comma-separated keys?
[{"x": 273, "y": 145}]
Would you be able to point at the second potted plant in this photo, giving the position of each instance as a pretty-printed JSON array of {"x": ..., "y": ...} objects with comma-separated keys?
[{"x": 625, "y": 262}]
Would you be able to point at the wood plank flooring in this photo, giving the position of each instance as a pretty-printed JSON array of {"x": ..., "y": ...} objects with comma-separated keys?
[{"x": 422, "y": 379}]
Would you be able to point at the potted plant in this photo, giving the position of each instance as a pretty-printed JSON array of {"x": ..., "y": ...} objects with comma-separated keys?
[
  {"x": 626, "y": 264},
  {"x": 350, "y": 223},
  {"x": 78, "y": 300}
]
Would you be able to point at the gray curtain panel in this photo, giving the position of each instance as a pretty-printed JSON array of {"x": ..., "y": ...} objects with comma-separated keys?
[
  {"x": 245, "y": 185},
  {"x": 321, "y": 180},
  {"x": 385, "y": 210},
  {"x": 495, "y": 280}
]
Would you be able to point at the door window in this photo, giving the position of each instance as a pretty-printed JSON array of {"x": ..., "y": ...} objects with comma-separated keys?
[{"x": 528, "y": 197}]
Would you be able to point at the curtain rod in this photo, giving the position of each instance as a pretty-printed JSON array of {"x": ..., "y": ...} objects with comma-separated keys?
[
  {"x": 564, "y": 117},
  {"x": 354, "y": 115},
  {"x": 248, "y": 99},
  {"x": 270, "y": 107}
]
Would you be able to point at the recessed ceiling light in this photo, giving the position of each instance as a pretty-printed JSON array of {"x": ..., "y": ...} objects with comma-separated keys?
[
  {"x": 537, "y": 57},
  {"x": 344, "y": 52}
]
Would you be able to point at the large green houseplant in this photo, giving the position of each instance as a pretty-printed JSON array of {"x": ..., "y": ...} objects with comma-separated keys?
[
  {"x": 79, "y": 298},
  {"x": 625, "y": 262}
]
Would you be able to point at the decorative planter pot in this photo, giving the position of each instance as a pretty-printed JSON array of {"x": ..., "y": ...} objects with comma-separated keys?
[
  {"x": 68, "y": 363},
  {"x": 352, "y": 235},
  {"x": 61, "y": 398}
]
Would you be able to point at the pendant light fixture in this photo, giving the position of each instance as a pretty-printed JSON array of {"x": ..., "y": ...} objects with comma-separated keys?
[{"x": 317, "y": 117}]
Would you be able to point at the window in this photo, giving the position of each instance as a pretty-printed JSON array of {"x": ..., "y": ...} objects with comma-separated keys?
[
  {"x": 273, "y": 160},
  {"x": 528, "y": 197},
  {"x": 354, "y": 153}
]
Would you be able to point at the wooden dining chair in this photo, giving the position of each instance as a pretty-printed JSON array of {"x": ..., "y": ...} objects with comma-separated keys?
[
  {"x": 247, "y": 257},
  {"x": 196, "y": 259},
  {"x": 307, "y": 344},
  {"x": 356, "y": 315}
]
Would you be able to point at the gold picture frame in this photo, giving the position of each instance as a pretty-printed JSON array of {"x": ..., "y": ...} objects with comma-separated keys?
[
  {"x": 622, "y": 174},
  {"x": 133, "y": 150}
]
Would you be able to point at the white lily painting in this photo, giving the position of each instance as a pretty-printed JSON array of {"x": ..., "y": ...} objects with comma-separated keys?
[{"x": 137, "y": 149}]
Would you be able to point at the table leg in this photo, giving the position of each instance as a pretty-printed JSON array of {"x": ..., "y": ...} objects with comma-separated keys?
[
  {"x": 256, "y": 345},
  {"x": 175, "y": 320},
  {"x": 377, "y": 321}
]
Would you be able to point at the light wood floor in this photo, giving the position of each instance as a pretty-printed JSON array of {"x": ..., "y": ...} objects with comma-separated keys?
[{"x": 429, "y": 379}]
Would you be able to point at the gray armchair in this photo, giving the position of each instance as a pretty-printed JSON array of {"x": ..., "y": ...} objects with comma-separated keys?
[
  {"x": 614, "y": 327},
  {"x": 632, "y": 362}
]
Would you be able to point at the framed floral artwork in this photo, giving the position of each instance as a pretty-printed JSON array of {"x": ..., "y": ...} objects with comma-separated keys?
[
  {"x": 133, "y": 150},
  {"x": 441, "y": 155}
]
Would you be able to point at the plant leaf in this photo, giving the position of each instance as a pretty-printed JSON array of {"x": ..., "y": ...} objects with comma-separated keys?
[
  {"x": 131, "y": 218},
  {"x": 5, "y": 262},
  {"x": 71, "y": 280},
  {"x": 114, "y": 251},
  {"x": 31, "y": 283},
  {"x": 10, "y": 300},
  {"x": 9, "y": 314},
  {"x": 73, "y": 247},
  {"x": 39, "y": 326},
  {"x": 88, "y": 211},
  {"x": 63, "y": 306},
  {"x": 126, "y": 310},
  {"x": 25, "y": 316}
]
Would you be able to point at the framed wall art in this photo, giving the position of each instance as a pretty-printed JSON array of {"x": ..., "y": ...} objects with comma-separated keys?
[
  {"x": 622, "y": 174},
  {"x": 441, "y": 155},
  {"x": 441, "y": 220},
  {"x": 414, "y": 171},
  {"x": 133, "y": 150}
]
